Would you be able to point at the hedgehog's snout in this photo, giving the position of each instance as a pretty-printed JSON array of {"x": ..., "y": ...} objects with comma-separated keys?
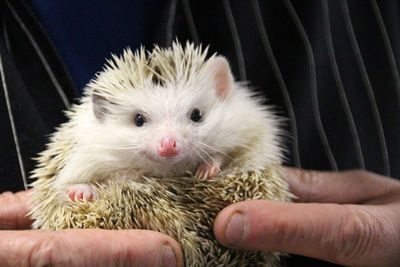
[{"x": 168, "y": 147}]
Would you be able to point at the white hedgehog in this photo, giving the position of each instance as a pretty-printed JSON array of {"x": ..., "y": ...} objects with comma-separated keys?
[
  {"x": 162, "y": 114},
  {"x": 146, "y": 120}
]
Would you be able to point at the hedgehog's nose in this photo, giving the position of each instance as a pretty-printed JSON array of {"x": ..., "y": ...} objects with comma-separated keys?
[{"x": 168, "y": 147}]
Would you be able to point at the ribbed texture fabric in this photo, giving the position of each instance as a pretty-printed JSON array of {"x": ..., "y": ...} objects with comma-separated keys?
[{"x": 330, "y": 67}]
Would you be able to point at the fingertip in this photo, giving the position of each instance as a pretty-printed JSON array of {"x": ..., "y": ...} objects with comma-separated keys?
[
  {"x": 231, "y": 224},
  {"x": 171, "y": 252},
  {"x": 150, "y": 248},
  {"x": 220, "y": 224}
]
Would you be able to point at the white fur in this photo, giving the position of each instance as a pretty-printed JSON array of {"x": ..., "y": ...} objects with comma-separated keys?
[{"x": 237, "y": 126}]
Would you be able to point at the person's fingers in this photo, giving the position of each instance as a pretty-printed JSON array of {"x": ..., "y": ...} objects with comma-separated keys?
[
  {"x": 13, "y": 210},
  {"x": 350, "y": 187},
  {"x": 89, "y": 247},
  {"x": 344, "y": 234}
]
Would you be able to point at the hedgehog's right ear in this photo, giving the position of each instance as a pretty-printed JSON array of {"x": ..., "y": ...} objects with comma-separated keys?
[
  {"x": 99, "y": 105},
  {"x": 222, "y": 75}
]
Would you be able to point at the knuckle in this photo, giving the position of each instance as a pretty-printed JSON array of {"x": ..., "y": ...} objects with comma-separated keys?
[
  {"x": 6, "y": 197},
  {"x": 310, "y": 180},
  {"x": 308, "y": 177},
  {"x": 355, "y": 236},
  {"x": 350, "y": 234},
  {"x": 41, "y": 253}
]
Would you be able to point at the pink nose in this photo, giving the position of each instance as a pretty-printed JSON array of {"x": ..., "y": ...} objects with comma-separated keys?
[{"x": 168, "y": 147}]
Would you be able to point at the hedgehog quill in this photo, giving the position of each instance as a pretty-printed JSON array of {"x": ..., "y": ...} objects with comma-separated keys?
[{"x": 161, "y": 120}]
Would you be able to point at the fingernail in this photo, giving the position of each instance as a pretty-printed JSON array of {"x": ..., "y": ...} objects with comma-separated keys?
[
  {"x": 167, "y": 257},
  {"x": 236, "y": 229}
]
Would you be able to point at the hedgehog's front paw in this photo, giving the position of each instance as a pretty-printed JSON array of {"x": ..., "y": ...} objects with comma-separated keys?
[
  {"x": 81, "y": 192},
  {"x": 207, "y": 170}
]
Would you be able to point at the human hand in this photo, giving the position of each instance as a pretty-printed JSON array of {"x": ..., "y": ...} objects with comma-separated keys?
[
  {"x": 362, "y": 228},
  {"x": 84, "y": 247}
]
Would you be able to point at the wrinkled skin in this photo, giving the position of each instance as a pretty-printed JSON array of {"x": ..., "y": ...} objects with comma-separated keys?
[
  {"x": 90, "y": 247},
  {"x": 349, "y": 218}
]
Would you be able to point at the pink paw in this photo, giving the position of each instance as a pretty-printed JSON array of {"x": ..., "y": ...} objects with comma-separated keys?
[
  {"x": 81, "y": 192},
  {"x": 205, "y": 171}
]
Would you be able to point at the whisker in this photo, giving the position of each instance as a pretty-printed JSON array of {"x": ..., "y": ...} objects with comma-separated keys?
[
  {"x": 210, "y": 147},
  {"x": 198, "y": 154},
  {"x": 205, "y": 152}
]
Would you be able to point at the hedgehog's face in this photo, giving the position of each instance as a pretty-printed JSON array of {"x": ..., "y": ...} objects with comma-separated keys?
[{"x": 172, "y": 128}]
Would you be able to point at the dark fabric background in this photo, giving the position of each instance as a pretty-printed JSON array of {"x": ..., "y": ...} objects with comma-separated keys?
[{"x": 76, "y": 36}]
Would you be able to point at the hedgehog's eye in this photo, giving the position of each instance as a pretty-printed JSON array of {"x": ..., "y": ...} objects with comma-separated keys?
[
  {"x": 139, "y": 120},
  {"x": 196, "y": 115}
]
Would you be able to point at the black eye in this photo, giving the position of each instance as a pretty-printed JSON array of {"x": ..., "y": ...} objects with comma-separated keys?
[
  {"x": 139, "y": 120},
  {"x": 196, "y": 115}
]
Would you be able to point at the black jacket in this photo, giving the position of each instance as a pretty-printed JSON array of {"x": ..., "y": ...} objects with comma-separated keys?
[{"x": 330, "y": 67}]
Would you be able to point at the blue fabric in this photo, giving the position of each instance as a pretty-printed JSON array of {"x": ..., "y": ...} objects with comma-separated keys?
[{"x": 87, "y": 32}]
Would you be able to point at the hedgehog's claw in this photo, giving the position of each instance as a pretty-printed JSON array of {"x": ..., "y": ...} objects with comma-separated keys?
[
  {"x": 81, "y": 192},
  {"x": 206, "y": 171}
]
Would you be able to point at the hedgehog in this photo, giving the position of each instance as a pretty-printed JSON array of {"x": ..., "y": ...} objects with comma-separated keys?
[{"x": 162, "y": 140}]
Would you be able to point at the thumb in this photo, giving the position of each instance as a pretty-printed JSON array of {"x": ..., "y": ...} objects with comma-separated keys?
[
  {"x": 90, "y": 247},
  {"x": 342, "y": 234}
]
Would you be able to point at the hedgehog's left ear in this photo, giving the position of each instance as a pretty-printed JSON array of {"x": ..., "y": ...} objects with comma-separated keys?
[
  {"x": 222, "y": 75},
  {"x": 99, "y": 105}
]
